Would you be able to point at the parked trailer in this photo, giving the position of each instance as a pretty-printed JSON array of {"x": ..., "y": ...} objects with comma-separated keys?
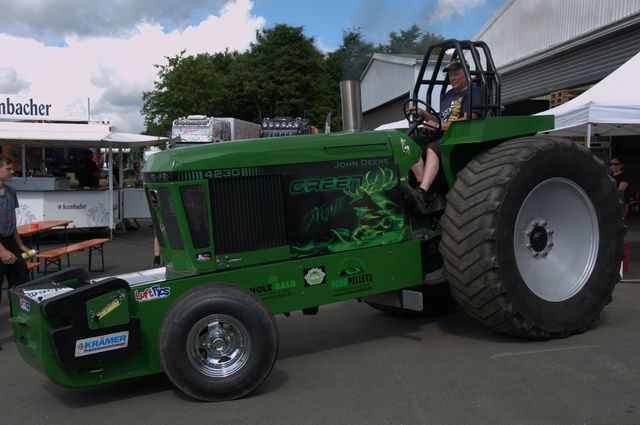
[
  {"x": 241, "y": 130},
  {"x": 198, "y": 129}
]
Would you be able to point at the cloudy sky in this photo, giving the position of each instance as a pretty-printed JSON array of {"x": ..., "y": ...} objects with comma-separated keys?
[{"x": 106, "y": 50}]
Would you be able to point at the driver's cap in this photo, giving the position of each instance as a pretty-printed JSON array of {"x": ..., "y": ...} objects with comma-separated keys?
[{"x": 453, "y": 65}]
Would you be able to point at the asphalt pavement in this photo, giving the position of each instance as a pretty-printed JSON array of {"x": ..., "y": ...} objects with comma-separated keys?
[{"x": 351, "y": 364}]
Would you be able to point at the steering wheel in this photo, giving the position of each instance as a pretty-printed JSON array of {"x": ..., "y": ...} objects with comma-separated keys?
[{"x": 415, "y": 119}]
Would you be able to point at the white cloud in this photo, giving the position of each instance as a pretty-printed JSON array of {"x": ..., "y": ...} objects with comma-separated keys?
[
  {"x": 10, "y": 82},
  {"x": 52, "y": 20},
  {"x": 114, "y": 71},
  {"x": 445, "y": 9}
]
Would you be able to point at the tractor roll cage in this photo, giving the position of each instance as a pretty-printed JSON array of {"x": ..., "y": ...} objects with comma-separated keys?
[{"x": 485, "y": 78}]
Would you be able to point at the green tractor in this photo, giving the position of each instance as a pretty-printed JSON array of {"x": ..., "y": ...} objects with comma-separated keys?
[{"x": 530, "y": 244}]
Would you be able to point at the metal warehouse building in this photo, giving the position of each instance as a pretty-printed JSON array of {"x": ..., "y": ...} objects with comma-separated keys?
[{"x": 546, "y": 51}]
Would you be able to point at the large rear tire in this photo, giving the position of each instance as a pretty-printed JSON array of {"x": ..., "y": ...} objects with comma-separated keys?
[
  {"x": 218, "y": 342},
  {"x": 533, "y": 237}
]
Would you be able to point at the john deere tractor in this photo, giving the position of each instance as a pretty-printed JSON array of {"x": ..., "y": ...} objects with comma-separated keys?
[{"x": 529, "y": 243}]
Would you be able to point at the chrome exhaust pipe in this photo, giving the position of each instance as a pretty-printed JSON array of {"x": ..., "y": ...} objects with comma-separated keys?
[{"x": 351, "y": 105}]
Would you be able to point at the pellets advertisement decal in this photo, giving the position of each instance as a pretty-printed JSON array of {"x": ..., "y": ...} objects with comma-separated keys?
[{"x": 352, "y": 277}]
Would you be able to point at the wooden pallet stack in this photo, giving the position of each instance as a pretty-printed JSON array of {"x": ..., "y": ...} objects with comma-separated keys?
[{"x": 559, "y": 97}]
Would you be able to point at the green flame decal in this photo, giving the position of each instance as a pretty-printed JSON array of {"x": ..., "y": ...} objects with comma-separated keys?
[{"x": 380, "y": 221}]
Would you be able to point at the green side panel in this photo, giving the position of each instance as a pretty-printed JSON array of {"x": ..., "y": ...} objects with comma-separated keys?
[
  {"x": 310, "y": 282},
  {"x": 261, "y": 256},
  {"x": 465, "y": 139}
]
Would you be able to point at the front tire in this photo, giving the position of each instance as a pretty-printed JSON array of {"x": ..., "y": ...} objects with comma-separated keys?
[
  {"x": 218, "y": 342},
  {"x": 532, "y": 237}
]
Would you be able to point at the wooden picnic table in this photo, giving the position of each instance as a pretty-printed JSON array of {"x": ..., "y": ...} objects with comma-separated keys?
[
  {"x": 25, "y": 230},
  {"x": 35, "y": 229}
]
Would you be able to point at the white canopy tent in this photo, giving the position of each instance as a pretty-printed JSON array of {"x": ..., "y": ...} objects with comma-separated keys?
[
  {"x": 79, "y": 135},
  {"x": 92, "y": 134},
  {"x": 610, "y": 108}
]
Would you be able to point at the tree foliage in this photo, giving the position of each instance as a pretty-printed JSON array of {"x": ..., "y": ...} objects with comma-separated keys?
[
  {"x": 190, "y": 85},
  {"x": 412, "y": 40},
  {"x": 288, "y": 72},
  {"x": 281, "y": 74}
]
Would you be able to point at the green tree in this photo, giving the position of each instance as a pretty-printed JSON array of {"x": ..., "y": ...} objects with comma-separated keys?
[
  {"x": 189, "y": 85},
  {"x": 412, "y": 40},
  {"x": 287, "y": 74}
]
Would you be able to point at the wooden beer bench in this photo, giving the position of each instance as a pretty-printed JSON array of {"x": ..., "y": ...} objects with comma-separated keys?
[
  {"x": 30, "y": 266},
  {"x": 53, "y": 257}
]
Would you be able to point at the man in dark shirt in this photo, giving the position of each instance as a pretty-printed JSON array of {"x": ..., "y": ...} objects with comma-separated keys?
[
  {"x": 453, "y": 107},
  {"x": 87, "y": 172},
  {"x": 12, "y": 265}
]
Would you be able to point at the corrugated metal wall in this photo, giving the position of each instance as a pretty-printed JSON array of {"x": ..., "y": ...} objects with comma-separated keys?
[
  {"x": 521, "y": 28},
  {"x": 386, "y": 78},
  {"x": 579, "y": 66}
]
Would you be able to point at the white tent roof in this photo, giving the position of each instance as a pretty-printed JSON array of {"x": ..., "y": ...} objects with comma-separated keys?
[
  {"x": 612, "y": 106},
  {"x": 71, "y": 135}
]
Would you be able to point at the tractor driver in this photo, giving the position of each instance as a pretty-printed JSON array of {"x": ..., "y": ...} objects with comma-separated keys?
[{"x": 452, "y": 108}]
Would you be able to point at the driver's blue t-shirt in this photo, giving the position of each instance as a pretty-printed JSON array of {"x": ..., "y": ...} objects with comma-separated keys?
[{"x": 454, "y": 104}]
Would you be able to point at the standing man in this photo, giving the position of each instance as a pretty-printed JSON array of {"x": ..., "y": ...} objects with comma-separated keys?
[
  {"x": 12, "y": 265},
  {"x": 87, "y": 172},
  {"x": 137, "y": 168}
]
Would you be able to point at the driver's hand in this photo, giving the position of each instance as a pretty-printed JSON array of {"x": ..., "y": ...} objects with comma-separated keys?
[
  {"x": 419, "y": 111},
  {"x": 431, "y": 125}
]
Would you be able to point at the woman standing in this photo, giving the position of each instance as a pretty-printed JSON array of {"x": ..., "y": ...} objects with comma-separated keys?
[{"x": 617, "y": 171}]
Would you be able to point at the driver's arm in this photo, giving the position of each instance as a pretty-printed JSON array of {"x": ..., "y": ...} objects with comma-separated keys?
[{"x": 422, "y": 112}]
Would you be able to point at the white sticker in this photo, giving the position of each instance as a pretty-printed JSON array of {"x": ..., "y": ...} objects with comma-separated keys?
[
  {"x": 98, "y": 344},
  {"x": 25, "y": 305}
]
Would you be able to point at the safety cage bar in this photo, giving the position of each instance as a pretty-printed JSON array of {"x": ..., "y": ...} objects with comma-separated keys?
[{"x": 486, "y": 78}]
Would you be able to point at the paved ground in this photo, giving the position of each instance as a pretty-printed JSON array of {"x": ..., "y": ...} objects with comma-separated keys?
[{"x": 353, "y": 365}]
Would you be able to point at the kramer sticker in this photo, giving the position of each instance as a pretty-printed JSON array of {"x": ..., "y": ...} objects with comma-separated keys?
[
  {"x": 153, "y": 293},
  {"x": 102, "y": 343},
  {"x": 314, "y": 276}
]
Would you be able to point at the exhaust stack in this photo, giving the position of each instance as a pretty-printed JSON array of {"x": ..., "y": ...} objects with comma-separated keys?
[{"x": 351, "y": 105}]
